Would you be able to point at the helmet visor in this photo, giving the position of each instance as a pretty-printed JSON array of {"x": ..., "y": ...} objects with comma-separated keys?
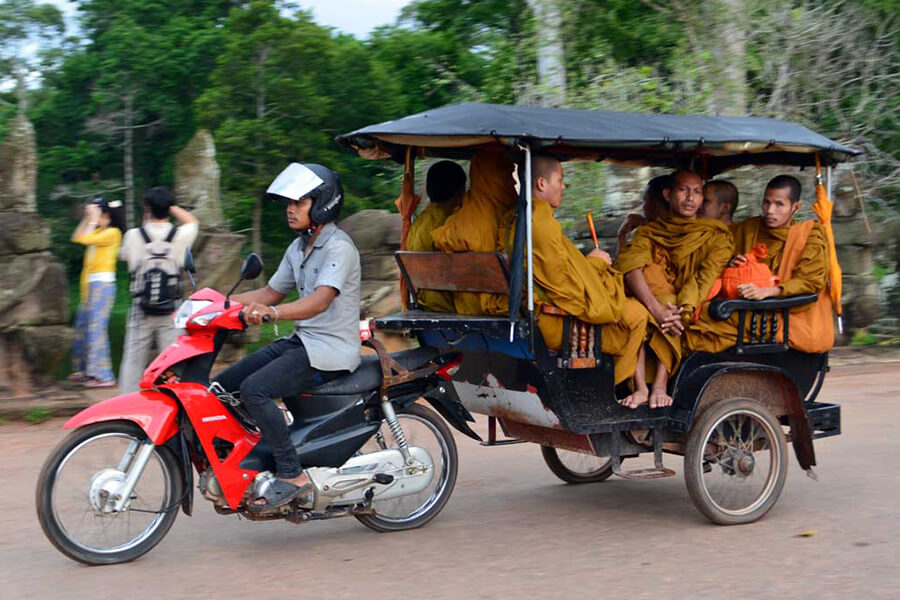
[{"x": 294, "y": 182}]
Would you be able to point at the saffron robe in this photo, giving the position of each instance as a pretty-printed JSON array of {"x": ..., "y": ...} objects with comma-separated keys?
[
  {"x": 681, "y": 259},
  {"x": 420, "y": 240},
  {"x": 589, "y": 289},
  {"x": 474, "y": 227},
  {"x": 798, "y": 254}
]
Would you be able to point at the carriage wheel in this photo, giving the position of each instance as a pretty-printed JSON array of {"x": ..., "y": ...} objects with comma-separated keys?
[
  {"x": 735, "y": 462},
  {"x": 577, "y": 467}
]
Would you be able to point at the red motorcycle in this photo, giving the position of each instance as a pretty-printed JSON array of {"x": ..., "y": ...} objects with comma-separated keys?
[{"x": 112, "y": 488}]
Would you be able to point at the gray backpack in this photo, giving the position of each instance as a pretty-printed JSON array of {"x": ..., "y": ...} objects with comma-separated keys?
[{"x": 156, "y": 282}]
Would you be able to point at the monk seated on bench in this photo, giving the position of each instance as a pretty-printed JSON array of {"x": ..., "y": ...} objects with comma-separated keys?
[
  {"x": 445, "y": 186},
  {"x": 474, "y": 227},
  {"x": 797, "y": 253},
  {"x": 670, "y": 266},
  {"x": 586, "y": 288}
]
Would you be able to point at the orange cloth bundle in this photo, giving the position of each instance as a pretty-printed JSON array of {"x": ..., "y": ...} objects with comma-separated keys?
[{"x": 752, "y": 271}]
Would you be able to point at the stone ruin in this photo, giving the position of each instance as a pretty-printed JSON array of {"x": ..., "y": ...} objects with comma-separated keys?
[
  {"x": 34, "y": 310},
  {"x": 376, "y": 234}
]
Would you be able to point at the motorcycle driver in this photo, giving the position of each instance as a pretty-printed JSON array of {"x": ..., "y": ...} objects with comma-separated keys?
[{"x": 322, "y": 264}]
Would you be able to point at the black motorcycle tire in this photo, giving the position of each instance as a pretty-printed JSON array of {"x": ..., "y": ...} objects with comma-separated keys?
[
  {"x": 382, "y": 525},
  {"x": 44, "y": 496}
]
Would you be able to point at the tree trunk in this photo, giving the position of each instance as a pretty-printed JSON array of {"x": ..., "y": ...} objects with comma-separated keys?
[
  {"x": 259, "y": 167},
  {"x": 128, "y": 158},
  {"x": 730, "y": 95},
  {"x": 551, "y": 67}
]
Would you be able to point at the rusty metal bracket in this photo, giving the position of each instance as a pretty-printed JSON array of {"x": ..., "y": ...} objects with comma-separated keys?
[
  {"x": 393, "y": 373},
  {"x": 492, "y": 436}
]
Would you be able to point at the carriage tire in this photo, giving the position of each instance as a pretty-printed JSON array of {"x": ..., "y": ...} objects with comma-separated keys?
[
  {"x": 551, "y": 457},
  {"x": 694, "y": 461}
]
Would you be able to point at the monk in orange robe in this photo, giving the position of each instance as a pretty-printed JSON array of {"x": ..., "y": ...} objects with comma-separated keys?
[
  {"x": 720, "y": 200},
  {"x": 670, "y": 266},
  {"x": 445, "y": 185},
  {"x": 585, "y": 287},
  {"x": 475, "y": 226},
  {"x": 798, "y": 253}
]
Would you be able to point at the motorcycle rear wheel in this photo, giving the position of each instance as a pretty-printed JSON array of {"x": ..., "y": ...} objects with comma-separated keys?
[
  {"x": 69, "y": 477},
  {"x": 421, "y": 427}
]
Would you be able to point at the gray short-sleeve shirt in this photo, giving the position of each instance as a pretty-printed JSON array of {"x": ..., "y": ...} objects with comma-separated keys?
[{"x": 331, "y": 337}]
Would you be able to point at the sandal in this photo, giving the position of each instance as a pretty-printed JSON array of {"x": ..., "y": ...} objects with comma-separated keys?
[
  {"x": 280, "y": 493},
  {"x": 78, "y": 377}
]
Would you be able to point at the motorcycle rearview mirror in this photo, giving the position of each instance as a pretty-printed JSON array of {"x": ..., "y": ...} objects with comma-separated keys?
[
  {"x": 189, "y": 267},
  {"x": 251, "y": 269}
]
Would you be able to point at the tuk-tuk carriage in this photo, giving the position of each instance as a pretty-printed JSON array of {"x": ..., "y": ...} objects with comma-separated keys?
[{"x": 733, "y": 411}]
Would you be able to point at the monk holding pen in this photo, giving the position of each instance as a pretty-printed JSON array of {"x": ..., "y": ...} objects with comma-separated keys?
[
  {"x": 585, "y": 287},
  {"x": 670, "y": 266}
]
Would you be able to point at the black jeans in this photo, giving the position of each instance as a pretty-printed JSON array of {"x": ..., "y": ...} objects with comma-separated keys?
[{"x": 280, "y": 369}]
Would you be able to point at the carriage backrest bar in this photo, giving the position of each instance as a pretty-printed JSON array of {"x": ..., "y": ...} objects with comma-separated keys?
[{"x": 485, "y": 272}]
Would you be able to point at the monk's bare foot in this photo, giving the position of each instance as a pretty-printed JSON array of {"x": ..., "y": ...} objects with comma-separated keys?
[
  {"x": 659, "y": 398},
  {"x": 637, "y": 398}
]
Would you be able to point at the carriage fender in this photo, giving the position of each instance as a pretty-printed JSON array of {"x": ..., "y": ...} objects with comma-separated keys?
[
  {"x": 151, "y": 410},
  {"x": 770, "y": 385}
]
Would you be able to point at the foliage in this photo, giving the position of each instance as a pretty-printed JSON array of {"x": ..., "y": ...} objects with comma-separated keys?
[
  {"x": 274, "y": 86},
  {"x": 38, "y": 415}
]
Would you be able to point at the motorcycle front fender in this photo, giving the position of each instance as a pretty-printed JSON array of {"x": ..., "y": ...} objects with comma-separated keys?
[{"x": 152, "y": 411}]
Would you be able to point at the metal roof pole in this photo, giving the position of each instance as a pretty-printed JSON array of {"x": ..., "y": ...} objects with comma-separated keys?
[{"x": 529, "y": 246}]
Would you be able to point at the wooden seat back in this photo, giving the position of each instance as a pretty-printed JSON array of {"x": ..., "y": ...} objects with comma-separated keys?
[{"x": 480, "y": 272}]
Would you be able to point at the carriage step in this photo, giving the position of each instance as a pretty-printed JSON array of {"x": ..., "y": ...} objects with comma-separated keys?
[{"x": 645, "y": 473}]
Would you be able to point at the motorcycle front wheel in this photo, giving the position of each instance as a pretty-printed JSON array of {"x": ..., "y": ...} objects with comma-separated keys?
[
  {"x": 422, "y": 427},
  {"x": 73, "y": 503}
]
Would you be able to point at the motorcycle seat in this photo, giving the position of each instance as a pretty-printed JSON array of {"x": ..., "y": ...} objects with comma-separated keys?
[{"x": 368, "y": 375}]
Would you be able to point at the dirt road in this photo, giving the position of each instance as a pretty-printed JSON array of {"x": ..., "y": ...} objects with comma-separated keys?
[{"x": 512, "y": 530}]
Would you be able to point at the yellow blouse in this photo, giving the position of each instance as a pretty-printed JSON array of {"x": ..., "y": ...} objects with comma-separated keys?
[{"x": 100, "y": 254}]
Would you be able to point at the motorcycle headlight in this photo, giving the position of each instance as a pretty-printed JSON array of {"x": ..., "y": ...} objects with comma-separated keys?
[
  {"x": 203, "y": 320},
  {"x": 188, "y": 308}
]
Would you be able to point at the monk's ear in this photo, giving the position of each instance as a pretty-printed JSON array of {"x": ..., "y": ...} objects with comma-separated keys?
[
  {"x": 667, "y": 193},
  {"x": 795, "y": 207}
]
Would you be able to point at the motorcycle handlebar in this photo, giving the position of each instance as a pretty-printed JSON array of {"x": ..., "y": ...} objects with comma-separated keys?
[{"x": 266, "y": 319}]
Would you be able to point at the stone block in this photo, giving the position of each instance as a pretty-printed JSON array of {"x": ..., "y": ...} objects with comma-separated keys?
[
  {"x": 373, "y": 229},
  {"x": 379, "y": 267},
  {"x": 218, "y": 258},
  {"x": 379, "y": 298},
  {"x": 18, "y": 167},
  {"x": 852, "y": 232},
  {"x": 23, "y": 233},
  {"x": 197, "y": 180},
  {"x": 33, "y": 291}
]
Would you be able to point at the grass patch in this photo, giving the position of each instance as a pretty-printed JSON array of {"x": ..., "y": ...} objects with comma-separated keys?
[
  {"x": 863, "y": 338},
  {"x": 38, "y": 415},
  {"x": 880, "y": 271},
  {"x": 2, "y": 421}
]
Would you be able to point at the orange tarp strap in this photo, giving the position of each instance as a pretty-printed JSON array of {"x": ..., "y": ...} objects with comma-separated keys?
[
  {"x": 823, "y": 207},
  {"x": 406, "y": 204}
]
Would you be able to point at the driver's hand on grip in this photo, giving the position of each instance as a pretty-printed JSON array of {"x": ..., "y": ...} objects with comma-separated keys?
[{"x": 256, "y": 313}]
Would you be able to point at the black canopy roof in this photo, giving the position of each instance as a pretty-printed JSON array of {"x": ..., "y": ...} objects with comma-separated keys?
[{"x": 719, "y": 143}]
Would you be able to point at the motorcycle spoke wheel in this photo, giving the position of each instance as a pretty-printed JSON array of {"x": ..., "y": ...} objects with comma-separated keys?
[
  {"x": 425, "y": 429},
  {"x": 71, "y": 496}
]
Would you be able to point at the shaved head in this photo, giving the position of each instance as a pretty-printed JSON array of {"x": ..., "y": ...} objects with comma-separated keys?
[
  {"x": 547, "y": 179},
  {"x": 544, "y": 165}
]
